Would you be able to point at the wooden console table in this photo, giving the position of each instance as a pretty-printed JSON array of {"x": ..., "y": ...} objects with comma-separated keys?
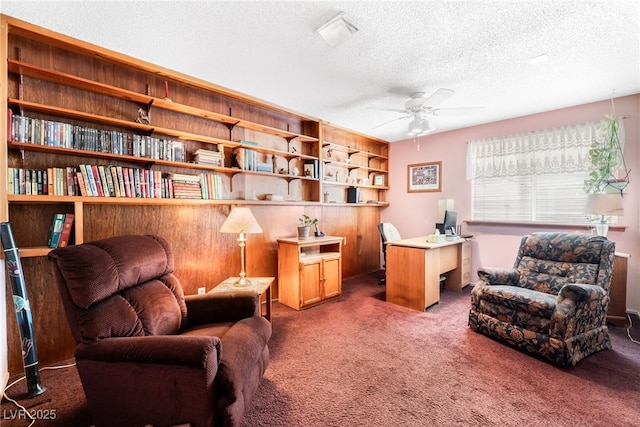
[{"x": 414, "y": 267}]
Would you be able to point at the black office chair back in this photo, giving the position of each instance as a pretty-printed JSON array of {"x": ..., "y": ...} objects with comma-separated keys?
[{"x": 387, "y": 232}]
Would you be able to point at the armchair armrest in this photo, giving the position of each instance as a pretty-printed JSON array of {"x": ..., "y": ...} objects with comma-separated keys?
[
  {"x": 194, "y": 351},
  {"x": 499, "y": 276},
  {"x": 579, "y": 308},
  {"x": 221, "y": 307}
]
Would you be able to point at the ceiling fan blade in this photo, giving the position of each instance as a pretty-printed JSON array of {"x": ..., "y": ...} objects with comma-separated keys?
[
  {"x": 395, "y": 110},
  {"x": 437, "y": 97},
  {"x": 391, "y": 121},
  {"x": 456, "y": 111}
]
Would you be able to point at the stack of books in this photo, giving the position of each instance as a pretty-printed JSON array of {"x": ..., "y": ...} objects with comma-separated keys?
[
  {"x": 208, "y": 157},
  {"x": 185, "y": 186}
]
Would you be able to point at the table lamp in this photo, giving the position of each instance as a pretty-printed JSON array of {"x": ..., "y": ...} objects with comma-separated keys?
[
  {"x": 241, "y": 221},
  {"x": 604, "y": 205}
]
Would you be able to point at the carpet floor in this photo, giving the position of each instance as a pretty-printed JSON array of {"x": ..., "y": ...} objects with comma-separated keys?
[{"x": 360, "y": 361}]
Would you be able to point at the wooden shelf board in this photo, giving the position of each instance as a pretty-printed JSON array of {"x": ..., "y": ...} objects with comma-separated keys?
[
  {"x": 104, "y": 89},
  {"x": 22, "y": 198}
]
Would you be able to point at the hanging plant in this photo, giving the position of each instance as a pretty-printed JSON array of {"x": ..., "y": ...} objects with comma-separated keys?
[{"x": 606, "y": 158}]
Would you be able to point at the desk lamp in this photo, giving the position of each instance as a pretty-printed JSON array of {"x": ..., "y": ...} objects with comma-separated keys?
[
  {"x": 241, "y": 221},
  {"x": 604, "y": 205}
]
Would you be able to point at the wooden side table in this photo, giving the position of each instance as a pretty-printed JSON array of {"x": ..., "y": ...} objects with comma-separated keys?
[
  {"x": 259, "y": 285},
  {"x": 617, "y": 311}
]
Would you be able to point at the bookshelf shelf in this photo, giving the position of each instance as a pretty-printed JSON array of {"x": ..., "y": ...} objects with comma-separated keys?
[
  {"x": 142, "y": 201},
  {"x": 350, "y": 151},
  {"x": 23, "y": 68}
]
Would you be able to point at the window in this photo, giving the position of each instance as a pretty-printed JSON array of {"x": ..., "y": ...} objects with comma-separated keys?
[{"x": 533, "y": 177}]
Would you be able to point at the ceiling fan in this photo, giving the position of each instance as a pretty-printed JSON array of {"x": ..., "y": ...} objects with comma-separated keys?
[{"x": 418, "y": 107}]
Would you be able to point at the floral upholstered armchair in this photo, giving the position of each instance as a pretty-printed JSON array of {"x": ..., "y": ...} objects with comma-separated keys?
[{"x": 553, "y": 302}]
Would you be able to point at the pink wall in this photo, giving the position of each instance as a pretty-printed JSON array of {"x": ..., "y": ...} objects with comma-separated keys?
[{"x": 414, "y": 214}]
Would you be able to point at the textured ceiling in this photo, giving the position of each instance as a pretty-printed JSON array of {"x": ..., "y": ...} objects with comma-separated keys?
[{"x": 479, "y": 49}]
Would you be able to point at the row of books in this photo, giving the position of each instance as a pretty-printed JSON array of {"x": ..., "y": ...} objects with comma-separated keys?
[
  {"x": 53, "y": 181},
  {"x": 113, "y": 181},
  {"x": 58, "y": 134},
  {"x": 60, "y": 230},
  {"x": 245, "y": 158}
]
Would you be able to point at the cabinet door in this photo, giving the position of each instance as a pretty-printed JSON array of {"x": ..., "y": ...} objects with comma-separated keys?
[
  {"x": 331, "y": 277},
  {"x": 310, "y": 284}
]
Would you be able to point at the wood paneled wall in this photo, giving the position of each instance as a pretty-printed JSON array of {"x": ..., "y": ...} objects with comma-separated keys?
[{"x": 204, "y": 257}]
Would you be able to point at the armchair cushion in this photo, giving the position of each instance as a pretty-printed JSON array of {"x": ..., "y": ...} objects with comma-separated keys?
[{"x": 549, "y": 276}]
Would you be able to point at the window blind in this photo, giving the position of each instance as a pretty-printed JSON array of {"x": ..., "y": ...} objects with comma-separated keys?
[{"x": 532, "y": 177}]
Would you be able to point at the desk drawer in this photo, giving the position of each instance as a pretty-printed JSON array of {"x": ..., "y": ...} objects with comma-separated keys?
[{"x": 448, "y": 258}]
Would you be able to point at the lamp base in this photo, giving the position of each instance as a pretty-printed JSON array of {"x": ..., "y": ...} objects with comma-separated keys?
[
  {"x": 602, "y": 228},
  {"x": 242, "y": 282}
]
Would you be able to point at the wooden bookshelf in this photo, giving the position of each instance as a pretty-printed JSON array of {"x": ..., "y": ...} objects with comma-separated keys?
[{"x": 51, "y": 76}]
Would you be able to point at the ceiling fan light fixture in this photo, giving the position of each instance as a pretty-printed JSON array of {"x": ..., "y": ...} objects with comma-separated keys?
[
  {"x": 338, "y": 30},
  {"x": 427, "y": 127},
  {"x": 416, "y": 125}
]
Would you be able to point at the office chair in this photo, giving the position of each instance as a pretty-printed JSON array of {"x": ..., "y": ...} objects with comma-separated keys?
[{"x": 387, "y": 232}]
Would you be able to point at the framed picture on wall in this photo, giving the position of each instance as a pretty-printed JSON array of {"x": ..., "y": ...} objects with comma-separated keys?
[{"x": 424, "y": 177}]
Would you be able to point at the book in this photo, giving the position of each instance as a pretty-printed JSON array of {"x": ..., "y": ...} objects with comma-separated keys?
[
  {"x": 65, "y": 234},
  {"x": 121, "y": 174},
  {"x": 9, "y": 125},
  {"x": 81, "y": 184},
  {"x": 109, "y": 179},
  {"x": 103, "y": 181},
  {"x": 56, "y": 230},
  {"x": 96, "y": 177}
]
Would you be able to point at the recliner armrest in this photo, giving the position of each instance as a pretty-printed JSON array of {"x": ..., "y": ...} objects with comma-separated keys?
[
  {"x": 194, "y": 351},
  {"x": 589, "y": 300},
  {"x": 221, "y": 307},
  {"x": 581, "y": 292},
  {"x": 499, "y": 276}
]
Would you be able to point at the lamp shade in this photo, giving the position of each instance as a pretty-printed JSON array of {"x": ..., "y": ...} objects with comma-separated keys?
[
  {"x": 605, "y": 204},
  {"x": 241, "y": 220}
]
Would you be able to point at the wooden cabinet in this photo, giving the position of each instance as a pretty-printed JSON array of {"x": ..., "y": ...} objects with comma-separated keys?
[
  {"x": 309, "y": 270},
  {"x": 617, "y": 311}
]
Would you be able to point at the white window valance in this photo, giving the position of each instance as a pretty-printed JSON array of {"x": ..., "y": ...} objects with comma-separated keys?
[{"x": 550, "y": 151}]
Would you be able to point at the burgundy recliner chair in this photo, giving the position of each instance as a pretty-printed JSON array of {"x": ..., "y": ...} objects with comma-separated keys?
[{"x": 148, "y": 355}]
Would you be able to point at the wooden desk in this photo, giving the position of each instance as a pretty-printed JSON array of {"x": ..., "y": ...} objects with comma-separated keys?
[{"x": 414, "y": 268}]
